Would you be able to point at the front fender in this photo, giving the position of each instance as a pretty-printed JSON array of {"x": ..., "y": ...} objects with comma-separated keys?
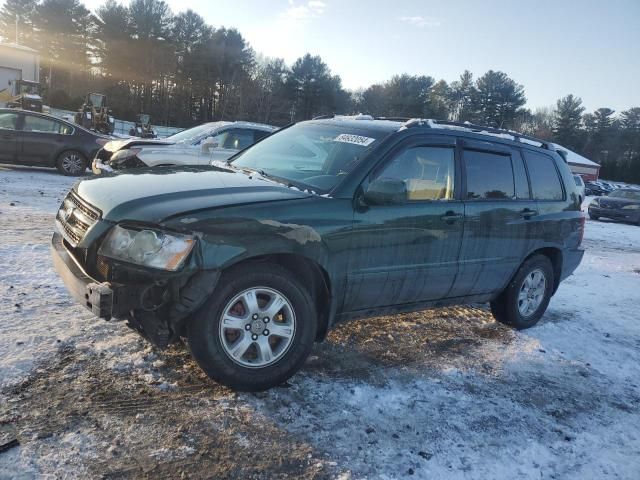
[{"x": 239, "y": 240}]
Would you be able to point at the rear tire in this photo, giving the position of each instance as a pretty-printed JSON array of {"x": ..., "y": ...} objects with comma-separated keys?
[
  {"x": 72, "y": 163},
  {"x": 527, "y": 296},
  {"x": 244, "y": 342}
]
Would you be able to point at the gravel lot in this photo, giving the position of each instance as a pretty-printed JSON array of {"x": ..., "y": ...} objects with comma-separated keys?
[{"x": 443, "y": 393}]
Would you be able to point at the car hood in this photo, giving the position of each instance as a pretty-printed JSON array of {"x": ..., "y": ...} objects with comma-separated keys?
[
  {"x": 154, "y": 195},
  {"x": 115, "y": 145}
]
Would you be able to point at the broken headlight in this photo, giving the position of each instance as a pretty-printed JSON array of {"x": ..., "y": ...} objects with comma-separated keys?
[
  {"x": 150, "y": 248},
  {"x": 122, "y": 155}
]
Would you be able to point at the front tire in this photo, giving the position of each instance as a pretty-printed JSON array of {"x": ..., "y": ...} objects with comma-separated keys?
[
  {"x": 256, "y": 330},
  {"x": 72, "y": 163},
  {"x": 527, "y": 296},
  {"x": 593, "y": 217}
]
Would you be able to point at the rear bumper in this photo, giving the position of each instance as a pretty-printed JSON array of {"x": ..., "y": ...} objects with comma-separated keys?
[
  {"x": 570, "y": 261},
  {"x": 102, "y": 299}
]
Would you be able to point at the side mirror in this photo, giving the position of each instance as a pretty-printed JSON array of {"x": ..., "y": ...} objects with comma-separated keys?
[
  {"x": 386, "y": 191},
  {"x": 208, "y": 144}
]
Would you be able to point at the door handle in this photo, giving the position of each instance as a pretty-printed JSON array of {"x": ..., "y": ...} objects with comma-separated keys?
[
  {"x": 451, "y": 217},
  {"x": 528, "y": 213}
]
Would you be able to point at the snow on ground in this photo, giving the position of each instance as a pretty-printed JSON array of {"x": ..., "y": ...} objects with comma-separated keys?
[{"x": 445, "y": 393}]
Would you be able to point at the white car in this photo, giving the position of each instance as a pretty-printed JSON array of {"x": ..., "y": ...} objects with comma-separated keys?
[{"x": 202, "y": 145}]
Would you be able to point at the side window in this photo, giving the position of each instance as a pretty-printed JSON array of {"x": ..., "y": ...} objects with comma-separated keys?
[
  {"x": 238, "y": 139},
  {"x": 41, "y": 124},
  {"x": 217, "y": 139},
  {"x": 8, "y": 121},
  {"x": 545, "y": 182},
  {"x": 428, "y": 172},
  {"x": 65, "y": 129},
  {"x": 489, "y": 175},
  {"x": 260, "y": 134}
]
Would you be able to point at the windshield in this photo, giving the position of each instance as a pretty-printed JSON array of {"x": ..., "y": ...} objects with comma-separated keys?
[
  {"x": 195, "y": 134},
  {"x": 317, "y": 156},
  {"x": 29, "y": 88},
  {"x": 628, "y": 194},
  {"x": 96, "y": 99}
]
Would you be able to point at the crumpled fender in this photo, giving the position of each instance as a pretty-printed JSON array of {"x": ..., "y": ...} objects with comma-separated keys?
[{"x": 228, "y": 241}]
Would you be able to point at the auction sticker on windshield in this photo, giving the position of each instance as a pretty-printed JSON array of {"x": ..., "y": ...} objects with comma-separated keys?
[{"x": 355, "y": 139}]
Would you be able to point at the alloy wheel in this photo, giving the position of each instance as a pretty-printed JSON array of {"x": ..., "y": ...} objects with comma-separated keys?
[
  {"x": 531, "y": 292},
  {"x": 73, "y": 164},
  {"x": 257, "y": 327}
]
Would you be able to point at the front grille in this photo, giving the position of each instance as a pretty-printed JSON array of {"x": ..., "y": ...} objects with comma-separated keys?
[{"x": 75, "y": 217}]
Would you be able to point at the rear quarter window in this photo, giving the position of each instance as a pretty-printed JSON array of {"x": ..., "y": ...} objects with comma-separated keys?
[{"x": 543, "y": 174}]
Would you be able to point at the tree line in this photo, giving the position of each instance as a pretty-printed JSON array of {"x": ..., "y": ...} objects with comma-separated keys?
[{"x": 183, "y": 71}]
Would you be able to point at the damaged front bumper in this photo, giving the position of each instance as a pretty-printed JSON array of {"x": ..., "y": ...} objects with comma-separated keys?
[{"x": 160, "y": 322}]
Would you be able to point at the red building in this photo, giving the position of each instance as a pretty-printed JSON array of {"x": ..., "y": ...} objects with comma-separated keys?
[{"x": 580, "y": 165}]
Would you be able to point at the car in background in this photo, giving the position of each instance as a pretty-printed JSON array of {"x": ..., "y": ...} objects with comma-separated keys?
[
  {"x": 622, "y": 204},
  {"x": 608, "y": 186},
  {"x": 580, "y": 186},
  {"x": 201, "y": 145},
  {"x": 593, "y": 188},
  {"x": 38, "y": 139}
]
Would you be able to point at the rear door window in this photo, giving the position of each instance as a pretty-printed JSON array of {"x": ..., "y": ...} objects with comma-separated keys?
[
  {"x": 545, "y": 182},
  {"x": 8, "y": 121},
  {"x": 45, "y": 125},
  {"x": 489, "y": 176}
]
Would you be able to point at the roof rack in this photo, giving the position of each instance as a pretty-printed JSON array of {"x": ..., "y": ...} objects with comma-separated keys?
[
  {"x": 470, "y": 127},
  {"x": 393, "y": 119}
]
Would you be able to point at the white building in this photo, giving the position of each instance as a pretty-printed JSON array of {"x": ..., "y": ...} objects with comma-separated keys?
[{"x": 17, "y": 62}]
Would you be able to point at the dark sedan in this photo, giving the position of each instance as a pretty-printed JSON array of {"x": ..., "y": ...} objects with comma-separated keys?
[
  {"x": 622, "y": 204},
  {"x": 30, "y": 138}
]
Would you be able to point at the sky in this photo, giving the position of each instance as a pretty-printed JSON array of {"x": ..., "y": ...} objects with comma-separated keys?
[{"x": 590, "y": 48}]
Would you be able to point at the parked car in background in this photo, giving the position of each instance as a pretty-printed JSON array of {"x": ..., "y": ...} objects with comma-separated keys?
[
  {"x": 622, "y": 204},
  {"x": 580, "y": 186},
  {"x": 593, "y": 188},
  {"x": 609, "y": 187},
  {"x": 255, "y": 260},
  {"x": 30, "y": 138},
  {"x": 200, "y": 145}
]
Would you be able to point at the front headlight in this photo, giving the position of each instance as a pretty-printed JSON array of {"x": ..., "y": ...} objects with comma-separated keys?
[
  {"x": 634, "y": 206},
  {"x": 595, "y": 202},
  {"x": 124, "y": 154},
  {"x": 150, "y": 248}
]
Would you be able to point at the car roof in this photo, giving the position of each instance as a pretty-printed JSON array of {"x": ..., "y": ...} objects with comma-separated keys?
[{"x": 439, "y": 127}]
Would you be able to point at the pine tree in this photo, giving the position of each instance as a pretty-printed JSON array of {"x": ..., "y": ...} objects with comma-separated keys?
[
  {"x": 463, "y": 98},
  {"x": 18, "y": 16},
  {"x": 567, "y": 119},
  {"x": 499, "y": 99}
]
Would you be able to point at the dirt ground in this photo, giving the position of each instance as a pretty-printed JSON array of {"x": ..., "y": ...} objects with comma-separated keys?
[{"x": 441, "y": 393}]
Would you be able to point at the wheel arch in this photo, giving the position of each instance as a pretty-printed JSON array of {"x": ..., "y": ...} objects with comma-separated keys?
[
  {"x": 312, "y": 275},
  {"x": 554, "y": 254}
]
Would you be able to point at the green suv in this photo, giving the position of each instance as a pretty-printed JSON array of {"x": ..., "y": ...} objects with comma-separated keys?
[{"x": 254, "y": 259}]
